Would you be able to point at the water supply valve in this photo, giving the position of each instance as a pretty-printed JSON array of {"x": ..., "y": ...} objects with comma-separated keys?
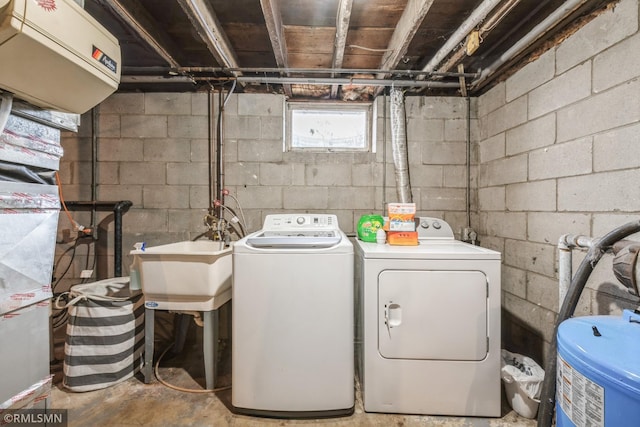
[
  {"x": 469, "y": 235},
  {"x": 210, "y": 221}
]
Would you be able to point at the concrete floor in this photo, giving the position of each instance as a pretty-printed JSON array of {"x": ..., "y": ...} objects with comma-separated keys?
[{"x": 133, "y": 403}]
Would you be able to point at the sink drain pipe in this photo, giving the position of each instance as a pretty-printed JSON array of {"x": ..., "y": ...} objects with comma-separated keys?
[
  {"x": 399, "y": 146},
  {"x": 596, "y": 250}
]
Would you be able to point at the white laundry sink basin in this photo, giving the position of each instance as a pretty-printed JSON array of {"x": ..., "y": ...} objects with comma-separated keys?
[{"x": 185, "y": 275}]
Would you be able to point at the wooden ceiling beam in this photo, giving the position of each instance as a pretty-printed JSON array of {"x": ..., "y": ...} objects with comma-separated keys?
[
  {"x": 136, "y": 17},
  {"x": 343, "y": 19},
  {"x": 406, "y": 29},
  {"x": 273, "y": 19},
  {"x": 208, "y": 27}
]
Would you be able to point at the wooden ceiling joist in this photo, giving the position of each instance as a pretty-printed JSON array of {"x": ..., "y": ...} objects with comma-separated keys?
[
  {"x": 406, "y": 29},
  {"x": 210, "y": 30},
  {"x": 343, "y": 19},
  {"x": 138, "y": 18},
  {"x": 273, "y": 19}
]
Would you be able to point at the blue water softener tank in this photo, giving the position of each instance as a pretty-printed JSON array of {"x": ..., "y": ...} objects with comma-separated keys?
[{"x": 598, "y": 375}]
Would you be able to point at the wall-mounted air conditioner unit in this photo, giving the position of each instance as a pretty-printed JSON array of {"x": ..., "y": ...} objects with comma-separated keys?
[{"x": 54, "y": 55}]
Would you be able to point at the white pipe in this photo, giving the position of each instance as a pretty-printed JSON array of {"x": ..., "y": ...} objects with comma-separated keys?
[
  {"x": 548, "y": 23},
  {"x": 469, "y": 24},
  {"x": 566, "y": 243}
]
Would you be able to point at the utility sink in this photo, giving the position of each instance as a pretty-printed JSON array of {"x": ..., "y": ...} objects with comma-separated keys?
[{"x": 185, "y": 276}]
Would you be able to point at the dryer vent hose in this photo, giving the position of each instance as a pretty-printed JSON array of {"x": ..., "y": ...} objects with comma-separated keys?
[{"x": 399, "y": 146}]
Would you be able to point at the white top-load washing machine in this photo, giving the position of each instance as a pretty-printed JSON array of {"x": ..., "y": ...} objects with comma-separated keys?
[
  {"x": 428, "y": 325},
  {"x": 293, "y": 319}
]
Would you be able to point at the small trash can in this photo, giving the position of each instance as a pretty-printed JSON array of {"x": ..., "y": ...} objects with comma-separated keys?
[
  {"x": 522, "y": 378},
  {"x": 105, "y": 334}
]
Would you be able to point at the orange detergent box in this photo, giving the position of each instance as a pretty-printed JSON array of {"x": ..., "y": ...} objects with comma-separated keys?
[
  {"x": 401, "y": 216},
  {"x": 402, "y": 238}
]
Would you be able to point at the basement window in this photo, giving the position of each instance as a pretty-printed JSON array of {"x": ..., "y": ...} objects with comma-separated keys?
[{"x": 328, "y": 127}]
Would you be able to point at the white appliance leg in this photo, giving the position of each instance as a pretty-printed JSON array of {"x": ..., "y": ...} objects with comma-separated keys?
[{"x": 210, "y": 347}]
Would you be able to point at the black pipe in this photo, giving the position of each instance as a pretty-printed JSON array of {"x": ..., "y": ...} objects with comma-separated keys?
[
  {"x": 118, "y": 211},
  {"x": 118, "y": 208},
  {"x": 548, "y": 393},
  {"x": 95, "y": 112}
]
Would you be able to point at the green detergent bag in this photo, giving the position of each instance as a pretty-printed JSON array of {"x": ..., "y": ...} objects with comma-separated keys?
[{"x": 368, "y": 226}]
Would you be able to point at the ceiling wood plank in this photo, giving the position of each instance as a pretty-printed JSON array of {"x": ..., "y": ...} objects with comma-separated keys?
[
  {"x": 209, "y": 29},
  {"x": 273, "y": 19},
  {"x": 369, "y": 62},
  {"x": 342, "y": 29},
  {"x": 365, "y": 40},
  {"x": 409, "y": 23},
  {"x": 377, "y": 13},
  {"x": 309, "y": 13},
  {"x": 139, "y": 19},
  {"x": 309, "y": 60},
  {"x": 249, "y": 38},
  {"x": 310, "y": 39}
]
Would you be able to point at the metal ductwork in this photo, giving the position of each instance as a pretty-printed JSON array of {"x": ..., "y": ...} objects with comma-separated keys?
[{"x": 399, "y": 146}]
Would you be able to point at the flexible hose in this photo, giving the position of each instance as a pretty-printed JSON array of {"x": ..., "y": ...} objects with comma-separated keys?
[
  {"x": 175, "y": 387},
  {"x": 399, "y": 146},
  {"x": 600, "y": 246}
]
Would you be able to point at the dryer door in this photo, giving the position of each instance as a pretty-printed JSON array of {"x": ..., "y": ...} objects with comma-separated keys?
[{"x": 438, "y": 315}]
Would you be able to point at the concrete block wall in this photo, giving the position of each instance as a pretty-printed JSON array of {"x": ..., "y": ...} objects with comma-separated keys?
[
  {"x": 152, "y": 149},
  {"x": 558, "y": 152}
]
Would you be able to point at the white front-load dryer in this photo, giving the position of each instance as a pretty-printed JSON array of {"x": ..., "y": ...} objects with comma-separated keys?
[
  {"x": 428, "y": 325},
  {"x": 293, "y": 319}
]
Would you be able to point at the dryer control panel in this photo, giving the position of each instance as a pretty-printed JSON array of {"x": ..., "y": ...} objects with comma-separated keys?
[{"x": 433, "y": 229}]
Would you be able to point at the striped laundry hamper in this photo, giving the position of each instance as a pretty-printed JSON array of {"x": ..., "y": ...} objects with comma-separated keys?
[{"x": 105, "y": 334}]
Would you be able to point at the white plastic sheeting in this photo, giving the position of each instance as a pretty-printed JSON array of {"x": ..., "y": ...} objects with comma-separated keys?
[{"x": 28, "y": 224}]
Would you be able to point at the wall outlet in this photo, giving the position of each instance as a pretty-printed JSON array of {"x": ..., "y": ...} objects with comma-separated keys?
[{"x": 86, "y": 274}]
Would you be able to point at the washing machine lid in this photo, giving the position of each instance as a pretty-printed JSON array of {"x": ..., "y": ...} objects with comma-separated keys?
[{"x": 427, "y": 249}]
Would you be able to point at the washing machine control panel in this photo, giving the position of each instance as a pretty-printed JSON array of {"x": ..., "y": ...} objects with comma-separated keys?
[
  {"x": 292, "y": 222},
  {"x": 433, "y": 228}
]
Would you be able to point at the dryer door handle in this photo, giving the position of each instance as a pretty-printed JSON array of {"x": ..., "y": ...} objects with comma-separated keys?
[{"x": 392, "y": 315}]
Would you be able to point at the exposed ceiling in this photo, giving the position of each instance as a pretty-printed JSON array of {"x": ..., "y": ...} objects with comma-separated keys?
[{"x": 333, "y": 49}]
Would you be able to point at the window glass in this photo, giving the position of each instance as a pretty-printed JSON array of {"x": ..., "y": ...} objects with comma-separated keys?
[{"x": 328, "y": 127}]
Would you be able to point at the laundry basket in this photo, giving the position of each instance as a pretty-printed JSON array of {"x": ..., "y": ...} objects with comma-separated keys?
[{"x": 105, "y": 334}]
